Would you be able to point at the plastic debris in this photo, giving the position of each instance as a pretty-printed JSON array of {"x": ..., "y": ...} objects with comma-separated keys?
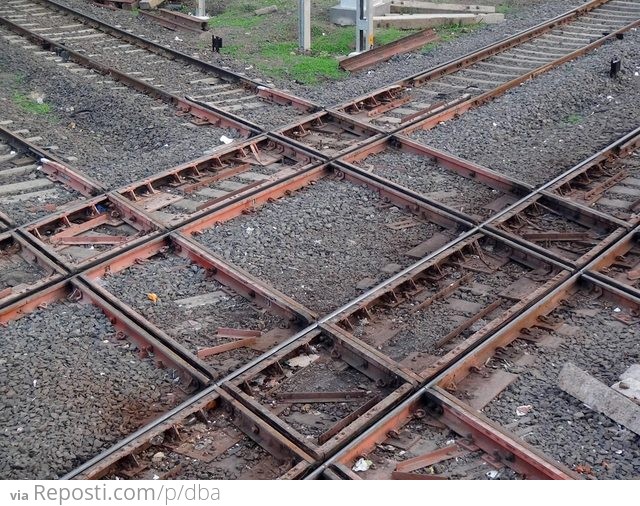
[
  {"x": 523, "y": 410},
  {"x": 153, "y": 297},
  {"x": 226, "y": 140},
  {"x": 361, "y": 465},
  {"x": 617, "y": 310},
  {"x": 493, "y": 474}
]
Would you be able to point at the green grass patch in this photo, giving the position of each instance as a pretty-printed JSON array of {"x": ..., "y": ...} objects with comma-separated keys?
[
  {"x": 242, "y": 15},
  {"x": 455, "y": 30},
  {"x": 28, "y": 104},
  {"x": 504, "y": 8},
  {"x": 283, "y": 60},
  {"x": 573, "y": 119},
  {"x": 270, "y": 42},
  {"x": 451, "y": 32}
]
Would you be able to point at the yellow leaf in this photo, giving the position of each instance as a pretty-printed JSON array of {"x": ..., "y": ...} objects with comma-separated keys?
[{"x": 153, "y": 297}]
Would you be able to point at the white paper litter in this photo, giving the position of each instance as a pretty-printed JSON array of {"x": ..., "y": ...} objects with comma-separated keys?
[
  {"x": 302, "y": 360},
  {"x": 361, "y": 465},
  {"x": 523, "y": 410}
]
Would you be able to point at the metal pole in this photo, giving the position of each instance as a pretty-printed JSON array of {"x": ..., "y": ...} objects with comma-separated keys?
[
  {"x": 304, "y": 25},
  {"x": 201, "y": 10},
  {"x": 364, "y": 25}
]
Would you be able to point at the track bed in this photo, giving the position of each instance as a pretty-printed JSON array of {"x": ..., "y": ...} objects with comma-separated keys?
[
  {"x": 72, "y": 390},
  {"x": 344, "y": 237},
  {"x": 590, "y": 328}
]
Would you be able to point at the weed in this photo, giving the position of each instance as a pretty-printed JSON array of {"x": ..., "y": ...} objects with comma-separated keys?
[
  {"x": 573, "y": 119},
  {"x": 28, "y": 104},
  {"x": 504, "y": 8},
  {"x": 450, "y": 32}
]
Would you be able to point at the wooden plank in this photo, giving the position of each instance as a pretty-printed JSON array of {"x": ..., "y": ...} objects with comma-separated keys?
[
  {"x": 216, "y": 350},
  {"x": 428, "y": 459}
]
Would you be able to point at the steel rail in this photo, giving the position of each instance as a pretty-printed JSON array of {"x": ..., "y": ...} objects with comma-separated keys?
[
  {"x": 429, "y": 119},
  {"x": 163, "y": 51},
  {"x": 478, "y": 228},
  {"x": 474, "y": 56},
  {"x": 329, "y": 317},
  {"x": 200, "y": 110}
]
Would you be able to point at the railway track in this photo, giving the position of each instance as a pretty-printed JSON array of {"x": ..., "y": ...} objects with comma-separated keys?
[
  {"x": 33, "y": 183},
  {"x": 451, "y": 310},
  {"x": 425, "y": 99},
  {"x": 210, "y": 93}
]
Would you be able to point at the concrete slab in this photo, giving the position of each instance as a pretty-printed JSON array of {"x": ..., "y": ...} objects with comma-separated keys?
[
  {"x": 35, "y": 184},
  {"x": 416, "y": 21},
  {"x": 599, "y": 397},
  {"x": 212, "y": 193},
  {"x": 629, "y": 384},
  {"x": 415, "y": 6},
  {"x": 150, "y": 4},
  {"x": 202, "y": 300}
]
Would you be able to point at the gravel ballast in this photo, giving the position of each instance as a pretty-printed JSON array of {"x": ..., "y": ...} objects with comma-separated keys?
[
  {"x": 422, "y": 175},
  {"x": 527, "y": 14},
  {"x": 70, "y": 390},
  {"x": 549, "y": 124},
  {"x": 317, "y": 245},
  {"x": 110, "y": 132},
  {"x": 559, "y": 424},
  {"x": 192, "y": 323}
]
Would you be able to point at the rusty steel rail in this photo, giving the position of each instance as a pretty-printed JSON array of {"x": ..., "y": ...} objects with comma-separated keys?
[
  {"x": 76, "y": 290},
  {"x": 464, "y": 168},
  {"x": 211, "y": 406},
  {"x": 328, "y": 135},
  {"x": 292, "y": 340},
  {"x": 281, "y": 188},
  {"x": 321, "y": 329},
  {"x": 545, "y": 277},
  {"x": 457, "y": 109},
  {"x": 371, "y": 105},
  {"x": 594, "y": 179},
  {"x": 450, "y": 378},
  {"x": 53, "y": 166},
  {"x": 76, "y": 225},
  {"x": 444, "y": 413},
  {"x": 597, "y": 232},
  {"x": 199, "y": 110},
  {"x": 241, "y": 282},
  {"x": 392, "y": 386},
  {"x": 12, "y": 244},
  {"x": 619, "y": 266},
  {"x": 178, "y": 184},
  {"x": 373, "y": 57}
]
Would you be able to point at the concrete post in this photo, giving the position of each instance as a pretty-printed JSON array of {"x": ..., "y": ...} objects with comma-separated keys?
[
  {"x": 304, "y": 25},
  {"x": 201, "y": 10},
  {"x": 364, "y": 25}
]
